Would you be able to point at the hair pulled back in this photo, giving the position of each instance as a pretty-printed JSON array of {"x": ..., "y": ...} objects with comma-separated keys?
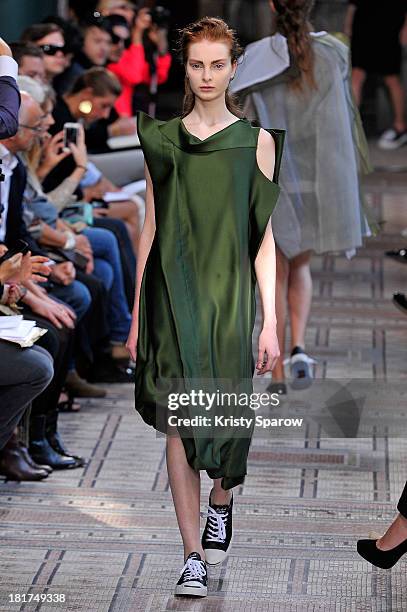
[
  {"x": 213, "y": 29},
  {"x": 292, "y": 21}
]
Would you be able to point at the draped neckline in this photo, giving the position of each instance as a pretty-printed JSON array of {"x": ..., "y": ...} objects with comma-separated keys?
[
  {"x": 211, "y": 135},
  {"x": 238, "y": 134}
]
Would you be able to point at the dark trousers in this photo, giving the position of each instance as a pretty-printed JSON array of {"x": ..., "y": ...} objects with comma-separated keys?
[
  {"x": 24, "y": 374},
  {"x": 59, "y": 343},
  {"x": 402, "y": 505}
]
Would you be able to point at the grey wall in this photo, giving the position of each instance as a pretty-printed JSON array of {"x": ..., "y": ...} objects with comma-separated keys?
[{"x": 15, "y": 15}]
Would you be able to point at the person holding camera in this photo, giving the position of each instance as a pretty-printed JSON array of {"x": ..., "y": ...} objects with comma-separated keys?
[{"x": 134, "y": 69}]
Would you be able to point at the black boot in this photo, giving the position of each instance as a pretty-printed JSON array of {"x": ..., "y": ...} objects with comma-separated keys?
[
  {"x": 40, "y": 449},
  {"x": 30, "y": 460},
  {"x": 55, "y": 440}
]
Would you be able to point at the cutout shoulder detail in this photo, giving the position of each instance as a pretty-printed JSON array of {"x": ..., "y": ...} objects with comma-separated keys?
[{"x": 266, "y": 155}]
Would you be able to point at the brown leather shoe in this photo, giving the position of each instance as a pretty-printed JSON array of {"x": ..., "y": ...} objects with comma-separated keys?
[
  {"x": 78, "y": 387},
  {"x": 14, "y": 466}
]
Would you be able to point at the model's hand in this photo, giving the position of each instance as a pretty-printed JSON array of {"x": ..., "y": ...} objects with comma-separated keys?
[
  {"x": 131, "y": 343},
  {"x": 269, "y": 350}
]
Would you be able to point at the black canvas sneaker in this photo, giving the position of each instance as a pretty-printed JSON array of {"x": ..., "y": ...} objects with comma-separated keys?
[
  {"x": 217, "y": 535},
  {"x": 194, "y": 578},
  {"x": 301, "y": 367},
  {"x": 392, "y": 139}
]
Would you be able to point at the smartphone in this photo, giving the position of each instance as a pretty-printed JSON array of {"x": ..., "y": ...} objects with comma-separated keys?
[
  {"x": 70, "y": 134},
  {"x": 20, "y": 247}
]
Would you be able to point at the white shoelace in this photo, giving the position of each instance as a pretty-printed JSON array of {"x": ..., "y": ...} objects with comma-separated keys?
[
  {"x": 193, "y": 569},
  {"x": 216, "y": 525}
]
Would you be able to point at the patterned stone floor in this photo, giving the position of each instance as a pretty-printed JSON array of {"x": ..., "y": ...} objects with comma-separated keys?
[{"x": 106, "y": 536}]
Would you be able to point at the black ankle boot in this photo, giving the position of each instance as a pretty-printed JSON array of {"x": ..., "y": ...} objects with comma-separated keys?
[
  {"x": 55, "y": 440},
  {"x": 40, "y": 449}
]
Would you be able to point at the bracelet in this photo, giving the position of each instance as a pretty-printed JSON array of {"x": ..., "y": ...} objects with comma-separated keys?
[
  {"x": 80, "y": 166},
  {"x": 70, "y": 242}
]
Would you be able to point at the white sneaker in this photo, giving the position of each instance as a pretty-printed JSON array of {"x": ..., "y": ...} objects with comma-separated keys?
[
  {"x": 193, "y": 580},
  {"x": 392, "y": 139}
]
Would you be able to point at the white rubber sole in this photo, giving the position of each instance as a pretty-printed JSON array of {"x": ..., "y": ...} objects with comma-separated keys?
[
  {"x": 191, "y": 589},
  {"x": 216, "y": 557}
]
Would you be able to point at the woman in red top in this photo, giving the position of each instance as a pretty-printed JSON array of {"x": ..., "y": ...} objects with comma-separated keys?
[{"x": 133, "y": 68}]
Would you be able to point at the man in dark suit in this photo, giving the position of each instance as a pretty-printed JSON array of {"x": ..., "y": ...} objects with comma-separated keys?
[{"x": 9, "y": 94}]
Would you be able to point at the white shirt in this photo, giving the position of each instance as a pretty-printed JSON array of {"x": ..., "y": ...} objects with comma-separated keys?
[
  {"x": 10, "y": 161},
  {"x": 8, "y": 66}
]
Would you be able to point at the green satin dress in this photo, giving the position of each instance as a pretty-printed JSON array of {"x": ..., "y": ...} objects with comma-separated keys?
[{"x": 197, "y": 299}]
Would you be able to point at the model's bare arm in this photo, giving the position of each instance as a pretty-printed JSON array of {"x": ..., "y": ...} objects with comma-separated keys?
[
  {"x": 145, "y": 242},
  {"x": 265, "y": 268}
]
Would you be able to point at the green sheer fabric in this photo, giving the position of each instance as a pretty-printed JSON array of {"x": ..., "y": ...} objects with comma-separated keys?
[{"x": 197, "y": 299}]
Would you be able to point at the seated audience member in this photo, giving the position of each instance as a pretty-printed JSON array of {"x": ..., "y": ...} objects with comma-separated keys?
[
  {"x": 24, "y": 374},
  {"x": 120, "y": 35},
  {"x": 92, "y": 46},
  {"x": 30, "y": 60},
  {"x": 133, "y": 69},
  {"x": 73, "y": 44},
  {"x": 96, "y": 43},
  {"x": 91, "y": 98},
  {"x": 98, "y": 244},
  {"x": 45, "y": 445},
  {"x": 50, "y": 39}
]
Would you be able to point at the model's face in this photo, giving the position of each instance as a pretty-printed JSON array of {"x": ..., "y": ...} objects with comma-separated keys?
[
  {"x": 209, "y": 69},
  {"x": 96, "y": 45},
  {"x": 33, "y": 67},
  {"x": 54, "y": 64},
  {"x": 118, "y": 45}
]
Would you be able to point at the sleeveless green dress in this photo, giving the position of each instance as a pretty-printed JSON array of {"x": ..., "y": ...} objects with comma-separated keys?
[{"x": 197, "y": 299}]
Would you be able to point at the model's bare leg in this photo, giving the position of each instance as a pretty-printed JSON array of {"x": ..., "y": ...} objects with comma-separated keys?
[
  {"x": 395, "y": 535},
  {"x": 397, "y": 97},
  {"x": 185, "y": 484},
  {"x": 220, "y": 496},
  {"x": 299, "y": 297},
  {"x": 282, "y": 271},
  {"x": 358, "y": 78}
]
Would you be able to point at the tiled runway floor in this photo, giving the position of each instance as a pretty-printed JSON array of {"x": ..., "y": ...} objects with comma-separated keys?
[{"x": 106, "y": 536}]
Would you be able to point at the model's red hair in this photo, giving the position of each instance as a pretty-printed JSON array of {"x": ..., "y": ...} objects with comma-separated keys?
[{"x": 213, "y": 29}]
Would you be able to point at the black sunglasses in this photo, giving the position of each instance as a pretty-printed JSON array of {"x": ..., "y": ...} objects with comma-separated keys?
[
  {"x": 53, "y": 49},
  {"x": 117, "y": 39}
]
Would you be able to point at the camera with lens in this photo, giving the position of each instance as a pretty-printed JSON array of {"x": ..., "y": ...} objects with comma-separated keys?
[{"x": 160, "y": 16}]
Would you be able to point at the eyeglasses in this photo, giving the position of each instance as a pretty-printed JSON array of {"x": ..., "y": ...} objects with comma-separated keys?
[
  {"x": 119, "y": 39},
  {"x": 34, "y": 128},
  {"x": 53, "y": 49}
]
